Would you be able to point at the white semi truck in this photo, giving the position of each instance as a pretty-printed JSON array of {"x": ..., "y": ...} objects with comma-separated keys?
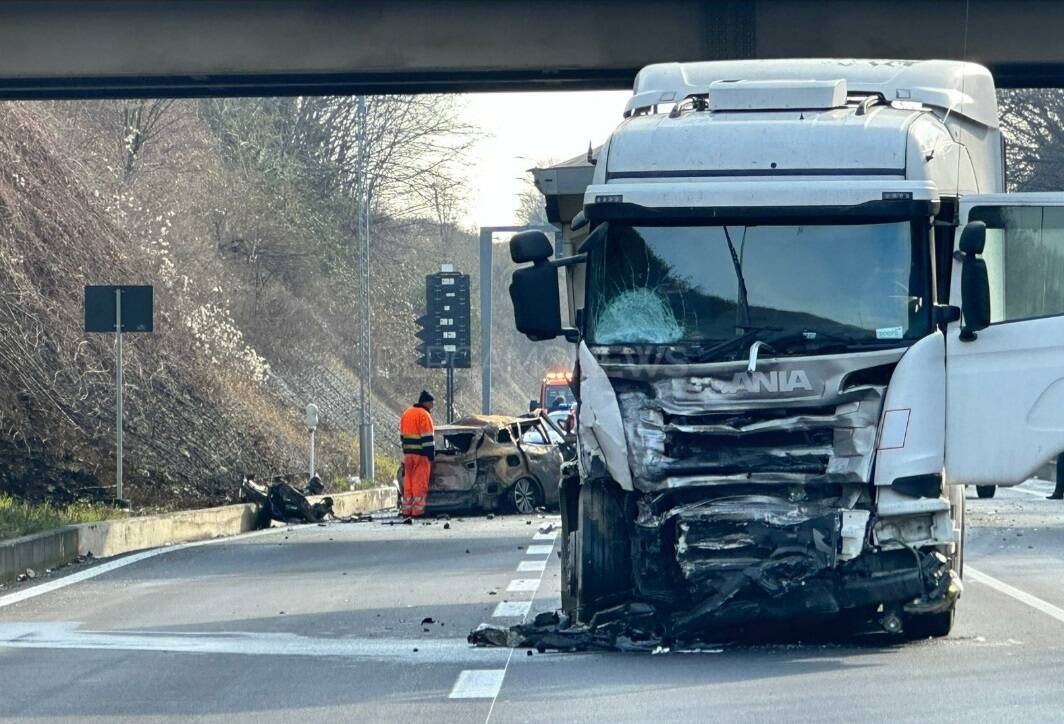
[{"x": 806, "y": 315}]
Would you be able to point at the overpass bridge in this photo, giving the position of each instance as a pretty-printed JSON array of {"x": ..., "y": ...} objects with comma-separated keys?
[{"x": 144, "y": 48}]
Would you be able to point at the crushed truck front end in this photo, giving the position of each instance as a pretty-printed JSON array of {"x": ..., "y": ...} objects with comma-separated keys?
[{"x": 758, "y": 305}]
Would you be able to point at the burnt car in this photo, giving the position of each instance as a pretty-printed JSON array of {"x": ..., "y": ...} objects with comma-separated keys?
[{"x": 495, "y": 463}]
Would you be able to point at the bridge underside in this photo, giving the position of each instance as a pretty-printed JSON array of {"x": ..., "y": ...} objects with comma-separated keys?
[{"x": 127, "y": 48}]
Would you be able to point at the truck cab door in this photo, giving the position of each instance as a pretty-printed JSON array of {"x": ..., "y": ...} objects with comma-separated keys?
[{"x": 1005, "y": 382}]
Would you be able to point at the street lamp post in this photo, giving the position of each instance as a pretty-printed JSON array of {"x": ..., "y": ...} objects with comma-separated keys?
[
  {"x": 365, "y": 356},
  {"x": 312, "y": 425}
]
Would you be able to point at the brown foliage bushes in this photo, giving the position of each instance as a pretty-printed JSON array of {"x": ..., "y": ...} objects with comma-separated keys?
[
  {"x": 245, "y": 228},
  {"x": 198, "y": 413}
]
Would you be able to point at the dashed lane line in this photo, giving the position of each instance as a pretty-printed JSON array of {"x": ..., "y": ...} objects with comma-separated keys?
[
  {"x": 530, "y": 566},
  {"x": 510, "y": 655},
  {"x": 1022, "y": 596},
  {"x": 478, "y": 684},
  {"x": 550, "y": 535},
  {"x": 539, "y": 550}
]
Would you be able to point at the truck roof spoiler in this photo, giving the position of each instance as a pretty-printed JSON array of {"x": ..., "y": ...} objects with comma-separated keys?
[{"x": 950, "y": 86}]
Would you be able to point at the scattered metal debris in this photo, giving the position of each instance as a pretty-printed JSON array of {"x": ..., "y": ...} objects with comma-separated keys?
[{"x": 282, "y": 502}]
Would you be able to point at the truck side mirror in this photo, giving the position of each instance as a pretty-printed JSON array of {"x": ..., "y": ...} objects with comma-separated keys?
[
  {"x": 531, "y": 246},
  {"x": 535, "y": 293},
  {"x": 975, "y": 284}
]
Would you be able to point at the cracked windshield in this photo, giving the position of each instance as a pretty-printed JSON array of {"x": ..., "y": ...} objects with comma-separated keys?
[{"x": 694, "y": 284}]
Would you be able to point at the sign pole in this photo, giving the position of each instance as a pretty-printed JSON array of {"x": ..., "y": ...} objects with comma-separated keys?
[
  {"x": 450, "y": 389},
  {"x": 311, "y": 453},
  {"x": 118, "y": 395}
]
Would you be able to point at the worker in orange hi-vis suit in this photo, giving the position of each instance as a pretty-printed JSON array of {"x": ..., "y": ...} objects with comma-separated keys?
[{"x": 419, "y": 450}]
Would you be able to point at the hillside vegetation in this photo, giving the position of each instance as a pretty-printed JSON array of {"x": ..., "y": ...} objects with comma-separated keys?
[{"x": 242, "y": 214}]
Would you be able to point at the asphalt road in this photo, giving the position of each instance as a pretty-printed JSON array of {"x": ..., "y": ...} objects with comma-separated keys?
[{"x": 325, "y": 624}]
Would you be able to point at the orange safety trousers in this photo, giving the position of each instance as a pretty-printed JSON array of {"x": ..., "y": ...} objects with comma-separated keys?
[{"x": 416, "y": 470}]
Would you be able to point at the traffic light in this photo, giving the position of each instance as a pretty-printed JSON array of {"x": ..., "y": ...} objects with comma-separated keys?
[{"x": 444, "y": 329}]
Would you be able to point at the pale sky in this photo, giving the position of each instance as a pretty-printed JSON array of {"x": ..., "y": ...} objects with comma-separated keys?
[{"x": 526, "y": 128}]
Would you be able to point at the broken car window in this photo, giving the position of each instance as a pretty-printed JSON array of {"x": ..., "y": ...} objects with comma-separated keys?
[
  {"x": 534, "y": 435},
  {"x": 458, "y": 441}
]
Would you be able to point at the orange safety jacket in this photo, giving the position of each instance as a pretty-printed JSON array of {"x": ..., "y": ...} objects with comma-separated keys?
[{"x": 417, "y": 432}]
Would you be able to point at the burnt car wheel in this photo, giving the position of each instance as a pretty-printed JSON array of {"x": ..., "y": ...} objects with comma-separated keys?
[
  {"x": 525, "y": 496},
  {"x": 602, "y": 555},
  {"x": 985, "y": 491}
]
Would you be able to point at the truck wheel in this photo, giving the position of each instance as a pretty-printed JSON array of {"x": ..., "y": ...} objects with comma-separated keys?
[
  {"x": 985, "y": 491},
  {"x": 568, "y": 507},
  {"x": 602, "y": 555},
  {"x": 932, "y": 625}
]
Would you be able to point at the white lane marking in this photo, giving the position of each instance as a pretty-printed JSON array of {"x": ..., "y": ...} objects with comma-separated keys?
[
  {"x": 510, "y": 655},
  {"x": 478, "y": 684},
  {"x": 530, "y": 566},
  {"x": 543, "y": 550},
  {"x": 107, "y": 567},
  {"x": 523, "y": 584},
  {"x": 1025, "y": 491},
  {"x": 546, "y": 536},
  {"x": 67, "y": 635},
  {"x": 1032, "y": 486},
  {"x": 1021, "y": 596},
  {"x": 508, "y": 609},
  {"x": 1029, "y": 492}
]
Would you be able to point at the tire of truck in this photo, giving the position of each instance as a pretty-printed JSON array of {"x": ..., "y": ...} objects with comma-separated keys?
[
  {"x": 932, "y": 625},
  {"x": 985, "y": 491},
  {"x": 938, "y": 625},
  {"x": 602, "y": 552},
  {"x": 568, "y": 507}
]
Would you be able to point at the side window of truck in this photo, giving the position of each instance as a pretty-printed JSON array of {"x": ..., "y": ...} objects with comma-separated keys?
[{"x": 1024, "y": 257}]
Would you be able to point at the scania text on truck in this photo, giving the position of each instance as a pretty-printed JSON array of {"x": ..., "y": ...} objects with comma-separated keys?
[{"x": 806, "y": 315}]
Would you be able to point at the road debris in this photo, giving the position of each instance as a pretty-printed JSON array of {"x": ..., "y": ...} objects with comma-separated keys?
[
  {"x": 282, "y": 502},
  {"x": 631, "y": 627}
]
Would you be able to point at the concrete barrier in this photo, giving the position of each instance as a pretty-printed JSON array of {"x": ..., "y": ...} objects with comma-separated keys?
[
  {"x": 38, "y": 551},
  {"x": 362, "y": 501},
  {"x": 124, "y": 535}
]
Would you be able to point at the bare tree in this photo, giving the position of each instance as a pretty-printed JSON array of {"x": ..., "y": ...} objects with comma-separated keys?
[
  {"x": 531, "y": 206},
  {"x": 1032, "y": 120}
]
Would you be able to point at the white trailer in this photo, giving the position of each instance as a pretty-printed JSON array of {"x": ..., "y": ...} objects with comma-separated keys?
[{"x": 806, "y": 315}]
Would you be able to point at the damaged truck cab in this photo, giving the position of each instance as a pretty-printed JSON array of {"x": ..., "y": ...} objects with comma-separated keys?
[{"x": 805, "y": 318}]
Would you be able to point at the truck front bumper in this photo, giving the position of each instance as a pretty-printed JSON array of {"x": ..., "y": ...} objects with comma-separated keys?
[{"x": 749, "y": 559}]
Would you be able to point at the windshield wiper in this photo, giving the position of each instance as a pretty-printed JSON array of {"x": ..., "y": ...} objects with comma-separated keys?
[
  {"x": 742, "y": 309},
  {"x": 818, "y": 340},
  {"x": 713, "y": 352}
]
